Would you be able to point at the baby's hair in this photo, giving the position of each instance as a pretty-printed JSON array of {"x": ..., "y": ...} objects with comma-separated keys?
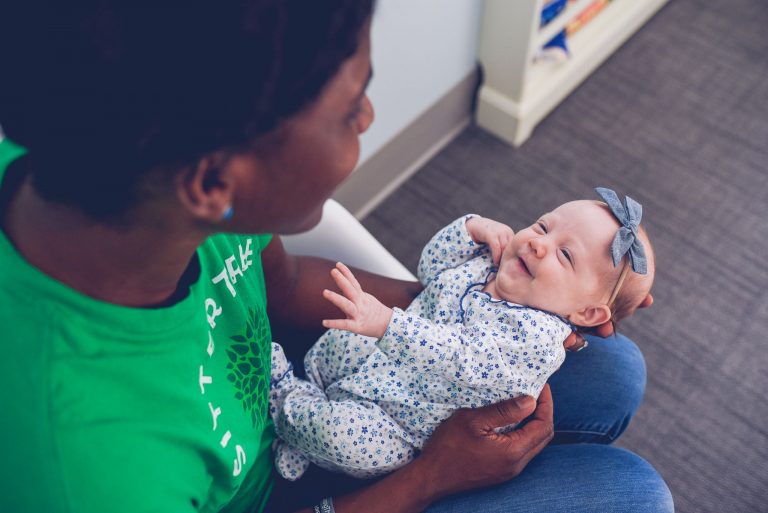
[{"x": 636, "y": 286}]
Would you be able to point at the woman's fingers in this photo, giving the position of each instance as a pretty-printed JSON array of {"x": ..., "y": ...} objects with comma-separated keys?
[
  {"x": 574, "y": 342},
  {"x": 605, "y": 330},
  {"x": 538, "y": 432},
  {"x": 468, "y": 450},
  {"x": 342, "y": 303}
]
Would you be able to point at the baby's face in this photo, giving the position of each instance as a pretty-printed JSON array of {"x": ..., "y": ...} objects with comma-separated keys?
[{"x": 556, "y": 264}]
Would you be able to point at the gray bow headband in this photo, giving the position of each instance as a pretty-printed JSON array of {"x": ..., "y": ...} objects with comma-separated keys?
[{"x": 626, "y": 240}]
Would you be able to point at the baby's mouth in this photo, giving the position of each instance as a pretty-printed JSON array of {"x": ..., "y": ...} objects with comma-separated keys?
[{"x": 525, "y": 267}]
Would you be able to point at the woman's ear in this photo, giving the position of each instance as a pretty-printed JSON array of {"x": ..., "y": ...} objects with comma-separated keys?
[
  {"x": 206, "y": 189},
  {"x": 591, "y": 316}
]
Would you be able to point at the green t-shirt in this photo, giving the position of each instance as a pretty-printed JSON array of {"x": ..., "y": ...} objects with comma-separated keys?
[{"x": 109, "y": 408}]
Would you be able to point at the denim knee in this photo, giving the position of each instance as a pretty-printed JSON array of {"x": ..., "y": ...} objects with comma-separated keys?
[
  {"x": 649, "y": 491},
  {"x": 629, "y": 377},
  {"x": 579, "y": 478},
  {"x": 597, "y": 391}
]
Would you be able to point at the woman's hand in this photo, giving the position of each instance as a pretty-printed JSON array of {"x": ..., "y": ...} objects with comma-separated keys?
[
  {"x": 493, "y": 233},
  {"x": 366, "y": 315},
  {"x": 467, "y": 452},
  {"x": 575, "y": 341},
  {"x": 464, "y": 453}
]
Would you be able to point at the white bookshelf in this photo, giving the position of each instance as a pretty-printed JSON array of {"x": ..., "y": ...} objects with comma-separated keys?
[{"x": 518, "y": 93}]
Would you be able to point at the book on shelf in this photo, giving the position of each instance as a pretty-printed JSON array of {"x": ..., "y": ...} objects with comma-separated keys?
[
  {"x": 585, "y": 16},
  {"x": 556, "y": 49}
]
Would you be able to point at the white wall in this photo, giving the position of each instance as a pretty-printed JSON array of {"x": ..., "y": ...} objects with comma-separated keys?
[{"x": 420, "y": 50}]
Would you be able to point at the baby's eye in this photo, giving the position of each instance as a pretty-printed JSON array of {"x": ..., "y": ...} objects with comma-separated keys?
[
  {"x": 567, "y": 255},
  {"x": 542, "y": 226}
]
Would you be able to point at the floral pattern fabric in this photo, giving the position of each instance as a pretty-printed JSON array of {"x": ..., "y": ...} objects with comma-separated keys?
[{"x": 367, "y": 405}]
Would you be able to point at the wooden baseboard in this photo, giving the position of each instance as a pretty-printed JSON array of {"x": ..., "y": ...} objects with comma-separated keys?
[
  {"x": 511, "y": 108},
  {"x": 398, "y": 160}
]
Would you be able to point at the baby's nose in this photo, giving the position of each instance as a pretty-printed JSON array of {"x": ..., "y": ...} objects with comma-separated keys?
[{"x": 538, "y": 246}]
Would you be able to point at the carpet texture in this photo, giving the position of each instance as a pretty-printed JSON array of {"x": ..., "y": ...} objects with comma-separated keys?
[{"x": 678, "y": 119}]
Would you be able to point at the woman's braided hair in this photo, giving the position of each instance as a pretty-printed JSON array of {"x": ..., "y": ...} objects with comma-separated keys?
[{"x": 103, "y": 92}]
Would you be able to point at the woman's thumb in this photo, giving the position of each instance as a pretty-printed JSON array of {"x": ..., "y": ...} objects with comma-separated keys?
[{"x": 507, "y": 413}]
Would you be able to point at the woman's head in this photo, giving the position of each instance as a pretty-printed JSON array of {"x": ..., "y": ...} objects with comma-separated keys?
[{"x": 110, "y": 97}]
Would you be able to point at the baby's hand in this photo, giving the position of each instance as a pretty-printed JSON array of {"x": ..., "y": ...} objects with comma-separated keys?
[
  {"x": 493, "y": 233},
  {"x": 366, "y": 315}
]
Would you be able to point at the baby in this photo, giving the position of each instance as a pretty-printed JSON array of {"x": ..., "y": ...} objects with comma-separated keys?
[{"x": 489, "y": 325}]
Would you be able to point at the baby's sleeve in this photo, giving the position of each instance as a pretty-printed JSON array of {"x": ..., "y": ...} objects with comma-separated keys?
[
  {"x": 510, "y": 360},
  {"x": 450, "y": 247},
  {"x": 532, "y": 350}
]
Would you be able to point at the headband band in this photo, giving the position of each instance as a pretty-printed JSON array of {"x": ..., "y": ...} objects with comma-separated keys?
[
  {"x": 617, "y": 288},
  {"x": 626, "y": 241}
]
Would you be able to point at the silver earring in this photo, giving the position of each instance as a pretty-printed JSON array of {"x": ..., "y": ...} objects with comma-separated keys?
[{"x": 228, "y": 213}]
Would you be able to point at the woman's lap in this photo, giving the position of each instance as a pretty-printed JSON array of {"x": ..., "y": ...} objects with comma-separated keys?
[
  {"x": 596, "y": 392},
  {"x": 574, "y": 478}
]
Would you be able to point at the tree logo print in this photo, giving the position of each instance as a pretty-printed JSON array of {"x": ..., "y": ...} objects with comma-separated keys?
[{"x": 249, "y": 364}]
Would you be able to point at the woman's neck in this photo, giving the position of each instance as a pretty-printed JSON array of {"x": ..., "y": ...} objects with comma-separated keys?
[{"x": 139, "y": 266}]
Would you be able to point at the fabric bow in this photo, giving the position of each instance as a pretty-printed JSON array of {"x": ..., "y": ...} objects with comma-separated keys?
[{"x": 626, "y": 240}]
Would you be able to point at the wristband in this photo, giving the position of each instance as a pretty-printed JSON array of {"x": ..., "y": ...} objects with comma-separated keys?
[{"x": 325, "y": 506}]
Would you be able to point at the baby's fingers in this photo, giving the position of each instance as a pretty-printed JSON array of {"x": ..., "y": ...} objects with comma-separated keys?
[
  {"x": 348, "y": 275},
  {"x": 344, "y": 284},
  {"x": 342, "y": 303},
  {"x": 496, "y": 248},
  {"x": 506, "y": 238},
  {"x": 338, "y": 324}
]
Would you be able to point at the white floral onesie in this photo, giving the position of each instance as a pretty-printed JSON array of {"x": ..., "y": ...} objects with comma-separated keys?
[{"x": 369, "y": 405}]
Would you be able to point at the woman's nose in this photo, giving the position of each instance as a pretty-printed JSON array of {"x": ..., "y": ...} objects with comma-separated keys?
[{"x": 366, "y": 115}]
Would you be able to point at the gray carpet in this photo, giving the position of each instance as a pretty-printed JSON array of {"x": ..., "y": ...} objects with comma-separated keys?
[{"x": 677, "y": 118}]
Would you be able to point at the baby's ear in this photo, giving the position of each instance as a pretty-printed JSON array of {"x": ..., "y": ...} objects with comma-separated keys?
[
  {"x": 591, "y": 316},
  {"x": 647, "y": 301}
]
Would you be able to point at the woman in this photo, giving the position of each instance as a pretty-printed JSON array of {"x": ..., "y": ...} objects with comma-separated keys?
[{"x": 137, "y": 336}]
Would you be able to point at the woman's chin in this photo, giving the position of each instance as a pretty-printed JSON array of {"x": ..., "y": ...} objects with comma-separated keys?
[{"x": 307, "y": 223}]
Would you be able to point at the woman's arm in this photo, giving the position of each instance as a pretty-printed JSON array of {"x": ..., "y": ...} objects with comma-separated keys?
[
  {"x": 464, "y": 453},
  {"x": 295, "y": 285}
]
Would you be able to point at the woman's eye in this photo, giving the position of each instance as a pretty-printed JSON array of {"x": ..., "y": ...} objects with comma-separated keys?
[
  {"x": 567, "y": 255},
  {"x": 356, "y": 110}
]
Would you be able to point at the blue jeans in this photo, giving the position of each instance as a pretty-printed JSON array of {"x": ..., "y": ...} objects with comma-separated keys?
[{"x": 596, "y": 393}]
